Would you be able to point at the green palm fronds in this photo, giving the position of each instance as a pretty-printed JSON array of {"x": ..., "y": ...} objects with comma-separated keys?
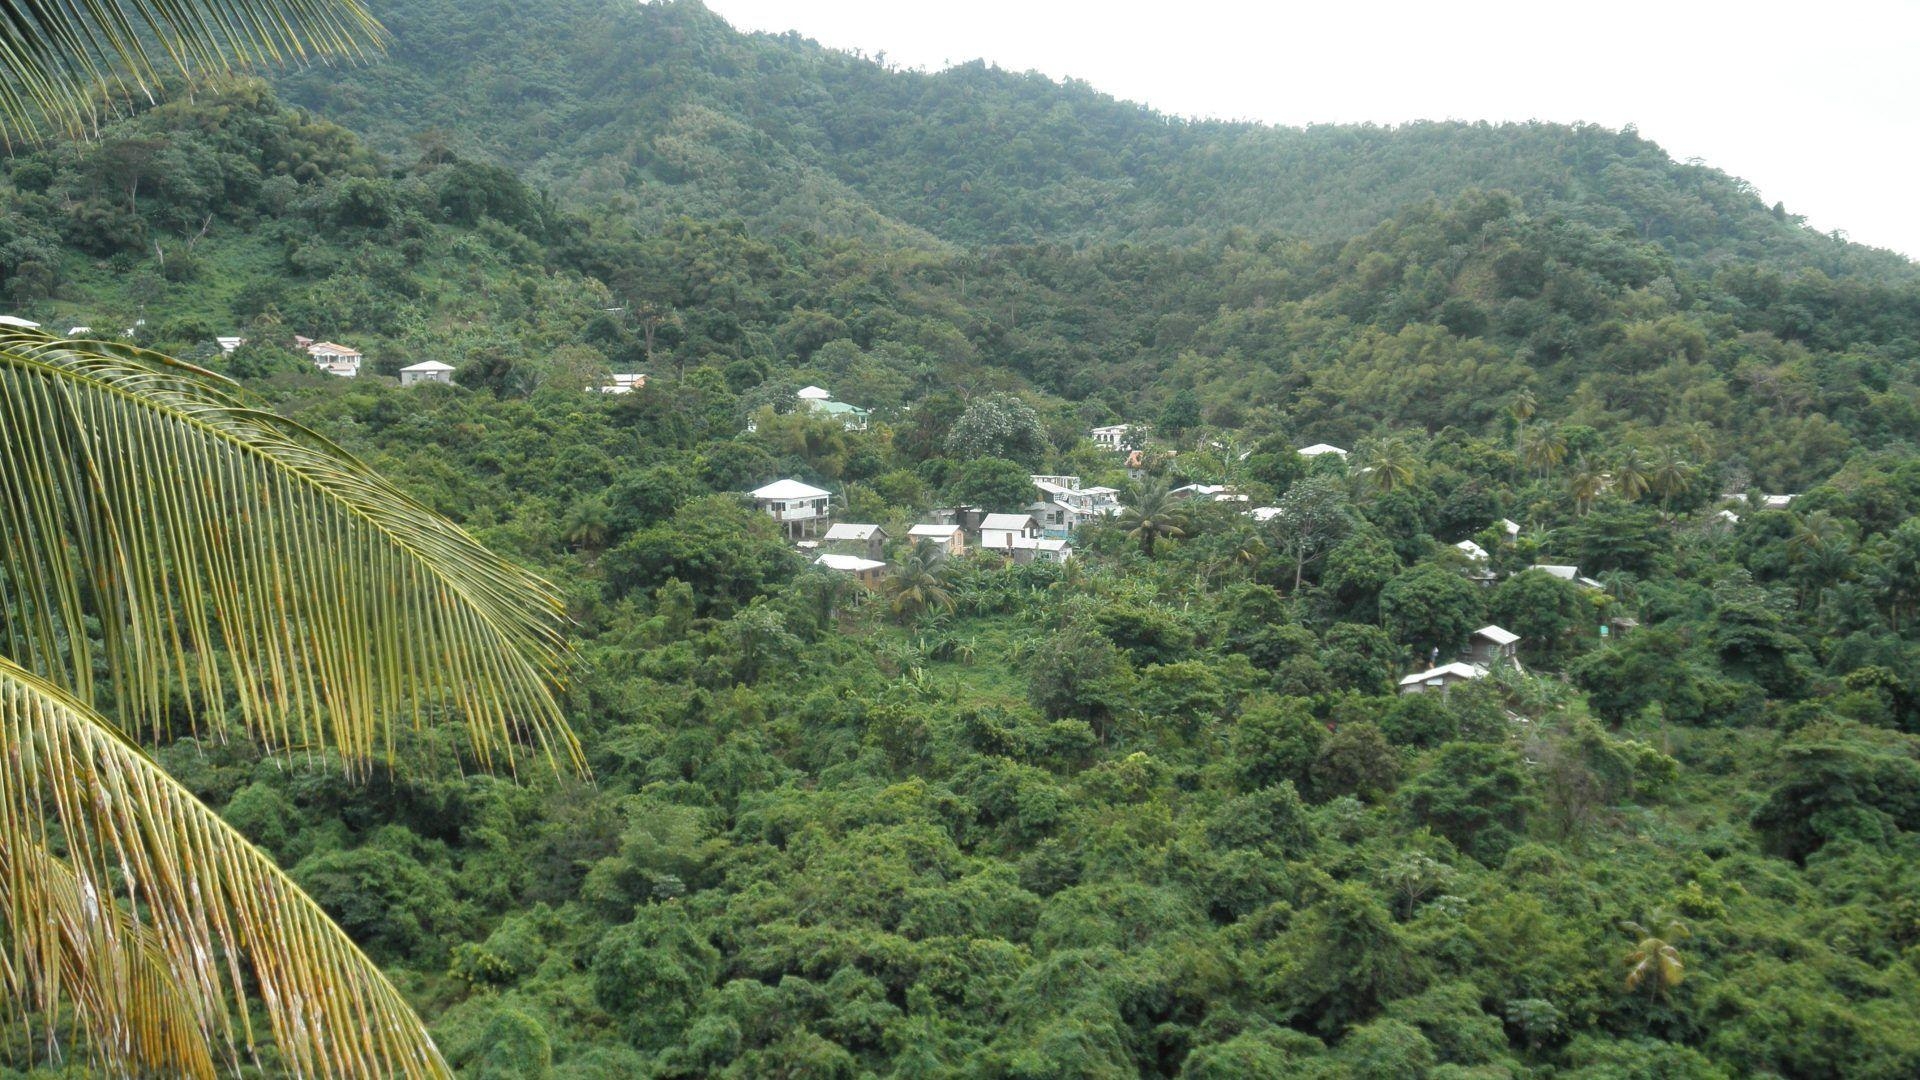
[
  {"x": 144, "y": 496},
  {"x": 59, "y": 62}
]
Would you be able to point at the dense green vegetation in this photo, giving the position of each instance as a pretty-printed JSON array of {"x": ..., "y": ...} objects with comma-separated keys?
[{"x": 1157, "y": 811}]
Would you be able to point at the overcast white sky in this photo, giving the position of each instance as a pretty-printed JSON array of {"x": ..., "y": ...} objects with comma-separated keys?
[{"x": 1815, "y": 104}]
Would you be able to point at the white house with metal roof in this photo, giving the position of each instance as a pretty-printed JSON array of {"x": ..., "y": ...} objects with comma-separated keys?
[
  {"x": 797, "y": 506},
  {"x": 998, "y": 531}
]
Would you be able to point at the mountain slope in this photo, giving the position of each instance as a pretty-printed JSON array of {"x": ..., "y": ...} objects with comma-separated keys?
[{"x": 666, "y": 105}]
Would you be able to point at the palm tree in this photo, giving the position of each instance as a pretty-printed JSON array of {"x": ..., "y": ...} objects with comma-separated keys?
[
  {"x": 1523, "y": 405},
  {"x": 1671, "y": 475},
  {"x": 1542, "y": 449},
  {"x": 1585, "y": 482},
  {"x": 1388, "y": 462},
  {"x": 1654, "y": 962},
  {"x": 172, "y": 550},
  {"x": 1152, "y": 514},
  {"x": 1821, "y": 550},
  {"x": 919, "y": 582},
  {"x": 1632, "y": 477}
]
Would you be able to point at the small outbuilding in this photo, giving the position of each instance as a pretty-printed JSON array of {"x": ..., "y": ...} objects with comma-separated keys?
[
  {"x": 426, "y": 371},
  {"x": 849, "y": 538},
  {"x": 867, "y": 572},
  {"x": 950, "y": 538},
  {"x": 1493, "y": 644},
  {"x": 1442, "y": 678}
]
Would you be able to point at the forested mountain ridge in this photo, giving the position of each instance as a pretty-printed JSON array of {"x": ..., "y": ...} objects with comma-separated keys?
[
  {"x": 666, "y": 108},
  {"x": 229, "y": 213}
]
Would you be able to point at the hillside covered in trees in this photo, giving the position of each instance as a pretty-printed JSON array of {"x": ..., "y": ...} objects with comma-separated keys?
[
  {"x": 1158, "y": 811},
  {"x": 663, "y": 108}
]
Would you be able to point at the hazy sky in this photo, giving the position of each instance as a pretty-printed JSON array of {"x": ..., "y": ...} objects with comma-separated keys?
[{"x": 1815, "y": 104}]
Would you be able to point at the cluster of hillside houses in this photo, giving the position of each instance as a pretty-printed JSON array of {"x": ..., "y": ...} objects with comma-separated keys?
[{"x": 1038, "y": 532}]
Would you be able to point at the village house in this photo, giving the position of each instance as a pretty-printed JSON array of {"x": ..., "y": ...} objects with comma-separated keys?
[
  {"x": 798, "y": 507},
  {"x": 426, "y": 371},
  {"x": 851, "y": 417},
  {"x": 1206, "y": 493},
  {"x": 965, "y": 518},
  {"x": 847, "y": 538},
  {"x": 1063, "y": 504},
  {"x": 816, "y": 400},
  {"x": 868, "y": 572},
  {"x": 950, "y": 538},
  {"x": 1481, "y": 571},
  {"x": 1111, "y": 437},
  {"x": 1569, "y": 573},
  {"x": 1136, "y": 465},
  {"x": 998, "y": 531},
  {"x": 1442, "y": 678},
  {"x": 1491, "y": 645},
  {"x": 625, "y": 382},
  {"x": 1044, "y": 549},
  {"x": 1319, "y": 448},
  {"x": 335, "y": 359},
  {"x": 1510, "y": 527},
  {"x": 228, "y": 344}
]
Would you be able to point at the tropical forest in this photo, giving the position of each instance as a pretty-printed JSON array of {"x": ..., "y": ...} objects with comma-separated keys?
[{"x": 565, "y": 540}]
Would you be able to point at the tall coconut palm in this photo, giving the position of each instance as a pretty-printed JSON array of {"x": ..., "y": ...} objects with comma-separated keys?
[
  {"x": 918, "y": 582},
  {"x": 1152, "y": 514},
  {"x": 1586, "y": 479},
  {"x": 1523, "y": 405},
  {"x": 1654, "y": 961},
  {"x": 169, "y": 551},
  {"x": 1387, "y": 463},
  {"x": 1542, "y": 449},
  {"x": 1632, "y": 476},
  {"x": 1670, "y": 475}
]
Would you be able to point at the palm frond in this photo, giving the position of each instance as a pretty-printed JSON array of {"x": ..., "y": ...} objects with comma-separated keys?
[
  {"x": 142, "y": 868},
  {"x": 145, "y": 504},
  {"x": 129, "y": 1011},
  {"x": 60, "y": 60}
]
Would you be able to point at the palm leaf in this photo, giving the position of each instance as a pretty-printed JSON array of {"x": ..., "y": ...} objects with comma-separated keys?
[
  {"x": 109, "y": 967},
  {"x": 191, "y": 891},
  {"x": 61, "y": 58},
  {"x": 143, "y": 497}
]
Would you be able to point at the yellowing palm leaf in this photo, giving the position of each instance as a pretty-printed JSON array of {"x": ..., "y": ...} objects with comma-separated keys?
[
  {"x": 214, "y": 909},
  {"x": 59, "y": 61},
  {"x": 146, "y": 497},
  {"x": 201, "y": 553}
]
